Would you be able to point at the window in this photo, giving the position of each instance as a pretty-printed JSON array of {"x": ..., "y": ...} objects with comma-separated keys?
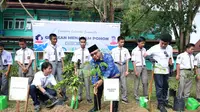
[
  {"x": 28, "y": 24},
  {"x": 19, "y": 24},
  {"x": 8, "y": 23}
]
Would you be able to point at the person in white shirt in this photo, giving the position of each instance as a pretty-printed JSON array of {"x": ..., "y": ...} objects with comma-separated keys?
[
  {"x": 197, "y": 72},
  {"x": 82, "y": 56},
  {"x": 5, "y": 66},
  {"x": 162, "y": 53},
  {"x": 39, "y": 90},
  {"x": 54, "y": 54},
  {"x": 185, "y": 71},
  {"x": 140, "y": 68},
  {"x": 24, "y": 58},
  {"x": 121, "y": 58}
]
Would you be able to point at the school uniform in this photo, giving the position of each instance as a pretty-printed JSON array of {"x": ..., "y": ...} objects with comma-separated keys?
[
  {"x": 54, "y": 55},
  {"x": 84, "y": 56},
  {"x": 24, "y": 56},
  {"x": 161, "y": 70},
  {"x": 138, "y": 59},
  {"x": 197, "y": 64},
  {"x": 44, "y": 81},
  {"x": 186, "y": 62},
  {"x": 5, "y": 61},
  {"x": 120, "y": 56}
]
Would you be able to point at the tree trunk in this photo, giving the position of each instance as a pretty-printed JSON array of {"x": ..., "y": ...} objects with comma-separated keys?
[
  {"x": 181, "y": 30},
  {"x": 104, "y": 10},
  {"x": 111, "y": 11}
]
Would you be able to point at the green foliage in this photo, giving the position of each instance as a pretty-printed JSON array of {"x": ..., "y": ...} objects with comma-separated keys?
[
  {"x": 14, "y": 70},
  {"x": 97, "y": 69}
]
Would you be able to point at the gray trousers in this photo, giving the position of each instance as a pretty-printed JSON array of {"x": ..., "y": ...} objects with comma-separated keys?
[
  {"x": 122, "y": 70},
  {"x": 29, "y": 74},
  {"x": 198, "y": 86},
  {"x": 4, "y": 82},
  {"x": 185, "y": 84},
  {"x": 144, "y": 77},
  {"x": 57, "y": 72},
  {"x": 85, "y": 78}
]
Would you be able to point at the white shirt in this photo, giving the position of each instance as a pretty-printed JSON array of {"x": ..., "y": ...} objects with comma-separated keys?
[
  {"x": 78, "y": 55},
  {"x": 29, "y": 55},
  {"x": 137, "y": 57},
  {"x": 197, "y": 60},
  {"x": 6, "y": 58},
  {"x": 44, "y": 81},
  {"x": 184, "y": 60},
  {"x": 125, "y": 55},
  {"x": 162, "y": 56},
  {"x": 49, "y": 52}
]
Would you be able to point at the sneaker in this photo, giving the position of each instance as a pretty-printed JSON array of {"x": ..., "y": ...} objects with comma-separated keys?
[
  {"x": 89, "y": 100},
  {"x": 125, "y": 101},
  {"x": 161, "y": 108},
  {"x": 37, "y": 108}
]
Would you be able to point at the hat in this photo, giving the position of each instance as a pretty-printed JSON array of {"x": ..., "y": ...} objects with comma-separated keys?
[
  {"x": 92, "y": 48},
  {"x": 166, "y": 37}
]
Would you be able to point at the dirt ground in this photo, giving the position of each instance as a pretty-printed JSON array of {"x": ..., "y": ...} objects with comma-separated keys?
[{"x": 132, "y": 106}]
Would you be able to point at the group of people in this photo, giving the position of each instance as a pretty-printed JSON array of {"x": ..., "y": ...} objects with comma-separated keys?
[{"x": 161, "y": 55}]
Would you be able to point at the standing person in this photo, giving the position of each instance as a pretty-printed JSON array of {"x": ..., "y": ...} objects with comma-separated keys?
[
  {"x": 111, "y": 71},
  {"x": 197, "y": 71},
  {"x": 83, "y": 55},
  {"x": 140, "y": 68},
  {"x": 5, "y": 66},
  {"x": 185, "y": 70},
  {"x": 121, "y": 58},
  {"x": 55, "y": 55},
  {"x": 24, "y": 58},
  {"x": 162, "y": 53},
  {"x": 39, "y": 90}
]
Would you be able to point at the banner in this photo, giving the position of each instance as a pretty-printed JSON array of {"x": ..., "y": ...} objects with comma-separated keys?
[{"x": 68, "y": 33}]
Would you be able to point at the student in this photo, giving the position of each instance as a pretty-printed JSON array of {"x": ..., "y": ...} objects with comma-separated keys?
[
  {"x": 83, "y": 55},
  {"x": 39, "y": 90},
  {"x": 121, "y": 58},
  {"x": 109, "y": 72},
  {"x": 140, "y": 68},
  {"x": 162, "y": 53},
  {"x": 55, "y": 55},
  {"x": 24, "y": 58},
  {"x": 185, "y": 70},
  {"x": 5, "y": 66},
  {"x": 197, "y": 71}
]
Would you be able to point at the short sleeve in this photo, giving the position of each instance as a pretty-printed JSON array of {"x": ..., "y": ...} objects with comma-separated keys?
[
  {"x": 53, "y": 80},
  {"x": 46, "y": 56},
  {"x": 150, "y": 51},
  {"x": 16, "y": 56},
  {"x": 179, "y": 58},
  {"x": 196, "y": 60},
  {"x": 62, "y": 52},
  {"x": 9, "y": 58},
  {"x": 133, "y": 58},
  {"x": 74, "y": 57},
  {"x": 32, "y": 55},
  {"x": 127, "y": 54}
]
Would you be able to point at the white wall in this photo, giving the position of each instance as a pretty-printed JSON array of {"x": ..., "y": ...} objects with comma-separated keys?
[{"x": 196, "y": 36}]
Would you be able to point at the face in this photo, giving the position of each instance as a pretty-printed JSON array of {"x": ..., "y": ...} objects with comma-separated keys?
[
  {"x": 96, "y": 55},
  {"x": 141, "y": 44},
  {"x": 190, "y": 50},
  {"x": 1, "y": 49},
  {"x": 22, "y": 45},
  {"x": 163, "y": 44},
  {"x": 47, "y": 71},
  {"x": 82, "y": 43},
  {"x": 121, "y": 43},
  {"x": 53, "y": 40}
]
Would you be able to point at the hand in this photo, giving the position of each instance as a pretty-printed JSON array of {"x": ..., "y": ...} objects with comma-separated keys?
[
  {"x": 62, "y": 69},
  {"x": 177, "y": 77},
  {"x": 24, "y": 70},
  {"x": 95, "y": 90},
  {"x": 98, "y": 83},
  {"x": 49, "y": 95},
  {"x": 152, "y": 60},
  {"x": 6, "y": 74},
  {"x": 76, "y": 73},
  {"x": 136, "y": 74},
  {"x": 126, "y": 73}
]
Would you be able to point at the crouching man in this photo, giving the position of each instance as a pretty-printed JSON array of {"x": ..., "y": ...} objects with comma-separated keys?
[{"x": 38, "y": 89}]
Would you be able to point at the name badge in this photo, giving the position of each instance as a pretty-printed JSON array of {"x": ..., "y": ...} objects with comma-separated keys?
[
  {"x": 5, "y": 61},
  {"x": 28, "y": 57}
]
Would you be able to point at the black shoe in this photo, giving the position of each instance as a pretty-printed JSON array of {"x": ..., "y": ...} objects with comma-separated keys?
[
  {"x": 64, "y": 98},
  {"x": 167, "y": 105},
  {"x": 125, "y": 101},
  {"x": 80, "y": 100},
  {"x": 198, "y": 99},
  {"x": 93, "y": 110},
  {"x": 89, "y": 100},
  {"x": 161, "y": 108}
]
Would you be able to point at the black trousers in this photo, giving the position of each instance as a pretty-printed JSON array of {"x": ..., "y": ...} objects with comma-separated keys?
[{"x": 97, "y": 100}]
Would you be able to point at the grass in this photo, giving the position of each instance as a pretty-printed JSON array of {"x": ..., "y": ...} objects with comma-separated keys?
[{"x": 133, "y": 106}]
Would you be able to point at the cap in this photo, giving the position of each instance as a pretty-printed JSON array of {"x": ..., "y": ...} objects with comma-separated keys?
[{"x": 92, "y": 48}]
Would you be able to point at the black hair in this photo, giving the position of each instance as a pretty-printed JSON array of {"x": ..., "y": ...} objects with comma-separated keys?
[
  {"x": 45, "y": 65},
  {"x": 1, "y": 44},
  {"x": 37, "y": 36},
  {"x": 120, "y": 38},
  {"x": 166, "y": 37},
  {"x": 189, "y": 45},
  {"x": 52, "y": 35},
  {"x": 141, "y": 39},
  {"x": 22, "y": 40},
  {"x": 82, "y": 38}
]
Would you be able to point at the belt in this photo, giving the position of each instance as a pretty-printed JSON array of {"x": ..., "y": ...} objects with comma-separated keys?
[
  {"x": 187, "y": 69},
  {"x": 5, "y": 65},
  {"x": 55, "y": 61},
  {"x": 141, "y": 66},
  {"x": 25, "y": 64},
  {"x": 120, "y": 64}
]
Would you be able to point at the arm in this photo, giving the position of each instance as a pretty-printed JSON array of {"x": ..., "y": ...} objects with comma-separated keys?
[
  {"x": 62, "y": 61},
  {"x": 177, "y": 71},
  {"x": 41, "y": 88},
  {"x": 135, "y": 69},
  {"x": 111, "y": 65}
]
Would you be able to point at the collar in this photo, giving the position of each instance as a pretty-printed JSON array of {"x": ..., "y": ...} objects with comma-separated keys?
[
  {"x": 24, "y": 48},
  {"x": 138, "y": 48},
  {"x": 53, "y": 45}
]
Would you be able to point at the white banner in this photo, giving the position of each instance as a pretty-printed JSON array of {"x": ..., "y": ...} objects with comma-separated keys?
[
  {"x": 111, "y": 89},
  {"x": 68, "y": 33},
  {"x": 18, "y": 88}
]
